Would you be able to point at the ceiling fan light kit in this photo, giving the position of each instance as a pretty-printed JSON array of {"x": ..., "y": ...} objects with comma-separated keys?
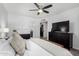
[{"x": 41, "y": 10}]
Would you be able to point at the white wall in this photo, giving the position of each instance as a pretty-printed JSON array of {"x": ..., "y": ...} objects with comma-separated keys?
[
  {"x": 36, "y": 27},
  {"x": 45, "y": 30},
  {"x": 23, "y": 24},
  {"x": 3, "y": 16},
  {"x": 3, "y": 20},
  {"x": 71, "y": 15},
  {"x": 20, "y": 23}
]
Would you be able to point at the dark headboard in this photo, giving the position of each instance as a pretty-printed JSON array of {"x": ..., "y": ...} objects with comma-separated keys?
[{"x": 25, "y": 36}]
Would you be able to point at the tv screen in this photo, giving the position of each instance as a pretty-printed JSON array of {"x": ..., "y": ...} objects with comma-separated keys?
[{"x": 61, "y": 26}]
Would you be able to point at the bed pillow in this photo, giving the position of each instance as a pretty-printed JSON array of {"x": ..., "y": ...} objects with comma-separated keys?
[{"x": 18, "y": 43}]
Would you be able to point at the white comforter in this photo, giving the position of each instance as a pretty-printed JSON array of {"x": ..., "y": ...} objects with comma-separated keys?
[
  {"x": 33, "y": 49},
  {"x": 51, "y": 47},
  {"x": 5, "y": 48},
  {"x": 39, "y": 47}
]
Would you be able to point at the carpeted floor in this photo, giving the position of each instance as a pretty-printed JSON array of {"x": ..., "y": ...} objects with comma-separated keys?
[{"x": 75, "y": 52}]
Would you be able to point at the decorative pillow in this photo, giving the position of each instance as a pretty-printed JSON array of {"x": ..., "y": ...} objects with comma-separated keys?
[{"x": 18, "y": 43}]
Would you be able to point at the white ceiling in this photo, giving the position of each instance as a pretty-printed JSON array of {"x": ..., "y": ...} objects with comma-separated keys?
[{"x": 23, "y": 8}]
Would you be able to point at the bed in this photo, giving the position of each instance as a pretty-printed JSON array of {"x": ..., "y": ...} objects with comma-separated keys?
[{"x": 35, "y": 47}]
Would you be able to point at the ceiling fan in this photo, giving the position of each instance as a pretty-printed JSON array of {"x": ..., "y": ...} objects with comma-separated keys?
[{"x": 41, "y": 9}]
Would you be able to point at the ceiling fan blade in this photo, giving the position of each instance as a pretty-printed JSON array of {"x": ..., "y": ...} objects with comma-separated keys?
[
  {"x": 37, "y": 5},
  {"x": 47, "y": 6},
  {"x": 45, "y": 11},
  {"x": 34, "y": 10},
  {"x": 38, "y": 13}
]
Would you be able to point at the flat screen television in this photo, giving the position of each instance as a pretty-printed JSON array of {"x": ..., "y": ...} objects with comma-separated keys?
[{"x": 61, "y": 26}]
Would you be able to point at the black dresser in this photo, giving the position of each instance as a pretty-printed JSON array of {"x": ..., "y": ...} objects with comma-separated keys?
[{"x": 62, "y": 38}]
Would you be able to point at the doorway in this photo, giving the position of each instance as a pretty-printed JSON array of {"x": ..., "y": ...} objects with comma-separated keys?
[{"x": 43, "y": 30}]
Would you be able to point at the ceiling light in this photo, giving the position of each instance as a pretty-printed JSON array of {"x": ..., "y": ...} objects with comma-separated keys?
[{"x": 40, "y": 10}]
